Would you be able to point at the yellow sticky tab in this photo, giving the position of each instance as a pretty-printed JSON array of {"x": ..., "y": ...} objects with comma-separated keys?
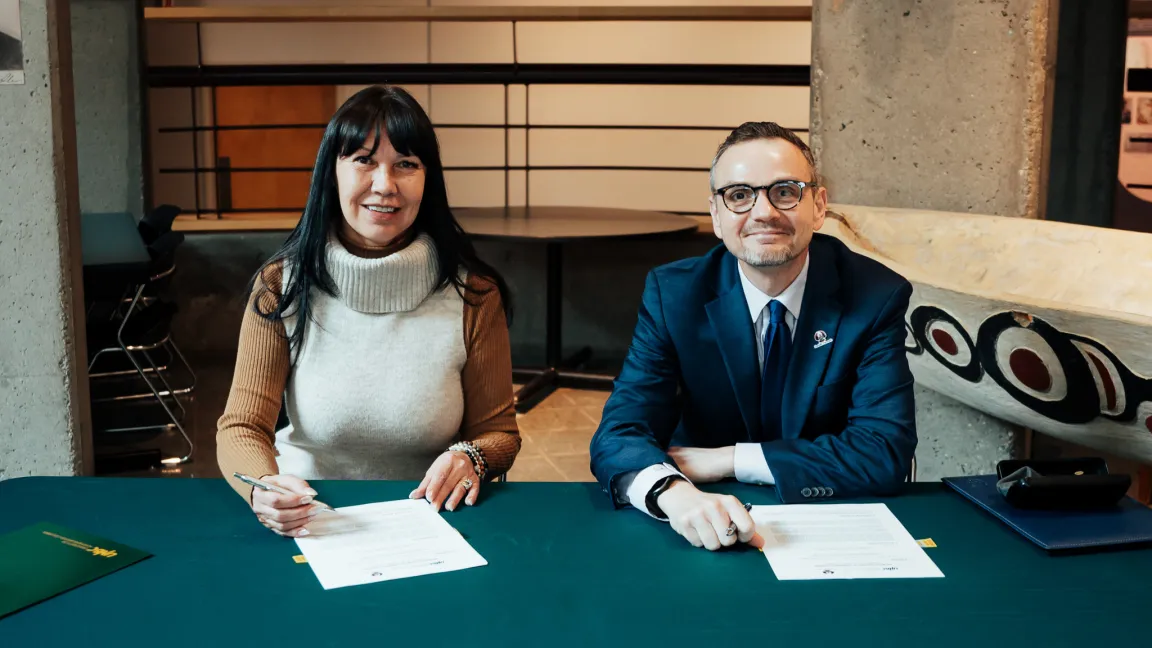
[
  {"x": 927, "y": 543},
  {"x": 299, "y": 560}
]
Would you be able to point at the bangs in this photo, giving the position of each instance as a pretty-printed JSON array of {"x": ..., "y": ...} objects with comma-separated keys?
[{"x": 366, "y": 122}]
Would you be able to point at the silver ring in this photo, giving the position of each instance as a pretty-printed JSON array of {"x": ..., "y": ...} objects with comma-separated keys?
[
  {"x": 731, "y": 530},
  {"x": 466, "y": 483}
]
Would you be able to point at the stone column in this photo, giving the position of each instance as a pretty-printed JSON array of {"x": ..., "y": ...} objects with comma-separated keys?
[
  {"x": 940, "y": 105},
  {"x": 108, "y": 105},
  {"x": 44, "y": 427}
]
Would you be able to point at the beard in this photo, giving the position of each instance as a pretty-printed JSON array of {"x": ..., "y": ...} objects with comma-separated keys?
[{"x": 769, "y": 256}]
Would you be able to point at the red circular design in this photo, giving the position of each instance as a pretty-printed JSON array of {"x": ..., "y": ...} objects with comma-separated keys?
[
  {"x": 1148, "y": 423},
  {"x": 1030, "y": 370},
  {"x": 945, "y": 341},
  {"x": 1106, "y": 381}
]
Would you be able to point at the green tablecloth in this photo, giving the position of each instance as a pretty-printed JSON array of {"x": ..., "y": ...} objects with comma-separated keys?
[{"x": 564, "y": 570}]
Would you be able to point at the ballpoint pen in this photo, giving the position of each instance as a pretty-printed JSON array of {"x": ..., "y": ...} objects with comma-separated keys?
[{"x": 263, "y": 485}]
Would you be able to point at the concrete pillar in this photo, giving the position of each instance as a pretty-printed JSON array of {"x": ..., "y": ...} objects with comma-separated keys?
[
  {"x": 936, "y": 104},
  {"x": 106, "y": 69},
  {"x": 43, "y": 393}
]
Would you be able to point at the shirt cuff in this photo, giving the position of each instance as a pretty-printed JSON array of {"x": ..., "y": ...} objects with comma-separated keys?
[
  {"x": 645, "y": 481},
  {"x": 750, "y": 465}
]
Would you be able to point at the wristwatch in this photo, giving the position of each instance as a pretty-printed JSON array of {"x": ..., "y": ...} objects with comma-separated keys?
[{"x": 657, "y": 490}]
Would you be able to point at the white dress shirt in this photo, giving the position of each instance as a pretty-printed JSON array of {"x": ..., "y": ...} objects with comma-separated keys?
[{"x": 750, "y": 465}]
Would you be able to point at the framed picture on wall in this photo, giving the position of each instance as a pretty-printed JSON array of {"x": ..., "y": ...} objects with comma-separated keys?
[
  {"x": 11, "y": 47},
  {"x": 1126, "y": 111}
]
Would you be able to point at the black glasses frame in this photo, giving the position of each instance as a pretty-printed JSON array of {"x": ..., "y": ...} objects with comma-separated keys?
[{"x": 800, "y": 184}]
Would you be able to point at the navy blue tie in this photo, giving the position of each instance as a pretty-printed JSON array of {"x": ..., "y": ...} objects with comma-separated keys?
[{"x": 777, "y": 349}]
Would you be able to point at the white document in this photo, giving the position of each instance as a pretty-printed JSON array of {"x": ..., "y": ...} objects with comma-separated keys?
[
  {"x": 836, "y": 541},
  {"x": 384, "y": 541}
]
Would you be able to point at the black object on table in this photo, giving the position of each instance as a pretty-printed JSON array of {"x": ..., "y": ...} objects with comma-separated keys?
[
  {"x": 564, "y": 569},
  {"x": 554, "y": 226}
]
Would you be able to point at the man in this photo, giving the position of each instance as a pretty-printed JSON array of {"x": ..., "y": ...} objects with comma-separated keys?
[{"x": 777, "y": 358}]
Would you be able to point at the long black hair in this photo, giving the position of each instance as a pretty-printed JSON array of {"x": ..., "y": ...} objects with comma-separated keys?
[{"x": 385, "y": 111}]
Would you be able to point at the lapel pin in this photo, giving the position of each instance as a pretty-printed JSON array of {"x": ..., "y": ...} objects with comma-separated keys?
[{"x": 822, "y": 339}]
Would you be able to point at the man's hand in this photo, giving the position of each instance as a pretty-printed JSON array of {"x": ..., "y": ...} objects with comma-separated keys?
[
  {"x": 706, "y": 519},
  {"x": 705, "y": 465}
]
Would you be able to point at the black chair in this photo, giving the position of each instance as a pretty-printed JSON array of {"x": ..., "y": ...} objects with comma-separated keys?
[
  {"x": 157, "y": 223},
  {"x": 137, "y": 327}
]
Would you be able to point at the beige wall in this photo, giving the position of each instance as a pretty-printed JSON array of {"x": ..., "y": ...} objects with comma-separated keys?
[
  {"x": 500, "y": 3},
  {"x": 10, "y": 18},
  {"x": 599, "y": 42}
]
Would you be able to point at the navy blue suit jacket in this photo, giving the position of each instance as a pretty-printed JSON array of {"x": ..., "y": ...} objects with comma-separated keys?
[{"x": 692, "y": 377}]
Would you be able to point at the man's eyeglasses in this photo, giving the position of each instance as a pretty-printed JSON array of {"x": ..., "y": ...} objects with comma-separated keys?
[{"x": 785, "y": 194}]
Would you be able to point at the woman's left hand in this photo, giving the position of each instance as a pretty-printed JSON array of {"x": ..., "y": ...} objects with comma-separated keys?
[{"x": 451, "y": 478}]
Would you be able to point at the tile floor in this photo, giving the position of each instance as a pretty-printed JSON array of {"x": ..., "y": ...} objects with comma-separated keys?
[
  {"x": 555, "y": 433},
  {"x": 555, "y": 436}
]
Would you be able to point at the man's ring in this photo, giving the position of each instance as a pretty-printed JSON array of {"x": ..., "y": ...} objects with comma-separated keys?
[
  {"x": 731, "y": 530},
  {"x": 467, "y": 483}
]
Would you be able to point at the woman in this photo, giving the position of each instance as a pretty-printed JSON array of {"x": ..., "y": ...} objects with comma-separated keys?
[{"x": 383, "y": 331}]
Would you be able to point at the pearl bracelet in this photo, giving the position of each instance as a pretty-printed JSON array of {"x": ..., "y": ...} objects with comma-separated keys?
[{"x": 475, "y": 454}]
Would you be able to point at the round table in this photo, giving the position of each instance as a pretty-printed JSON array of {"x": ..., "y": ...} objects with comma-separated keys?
[{"x": 555, "y": 226}]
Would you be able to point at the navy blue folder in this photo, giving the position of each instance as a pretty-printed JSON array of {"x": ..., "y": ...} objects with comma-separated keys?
[{"x": 1126, "y": 523}]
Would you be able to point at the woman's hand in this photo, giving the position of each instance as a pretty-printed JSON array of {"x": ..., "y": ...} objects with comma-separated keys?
[
  {"x": 286, "y": 515},
  {"x": 451, "y": 477}
]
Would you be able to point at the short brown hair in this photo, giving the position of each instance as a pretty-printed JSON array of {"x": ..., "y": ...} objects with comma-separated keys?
[{"x": 751, "y": 131}]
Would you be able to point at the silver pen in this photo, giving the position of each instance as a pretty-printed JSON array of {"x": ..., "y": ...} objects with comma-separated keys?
[{"x": 263, "y": 485}]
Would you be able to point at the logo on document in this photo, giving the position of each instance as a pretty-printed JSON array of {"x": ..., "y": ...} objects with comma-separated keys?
[
  {"x": 822, "y": 339},
  {"x": 99, "y": 552}
]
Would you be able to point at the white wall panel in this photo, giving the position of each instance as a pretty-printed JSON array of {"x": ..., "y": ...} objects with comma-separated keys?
[
  {"x": 472, "y": 42},
  {"x": 475, "y": 188},
  {"x": 467, "y": 104},
  {"x": 749, "y": 42},
  {"x": 603, "y": 3},
  {"x": 313, "y": 43},
  {"x": 624, "y": 148},
  {"x": 659, "y": 190},
  {"x": 471, "y": 146},
  {"x": 668, "y": 105}
]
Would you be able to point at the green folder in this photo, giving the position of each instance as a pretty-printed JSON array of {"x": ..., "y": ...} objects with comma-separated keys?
[{"x": 43, "y": 560}]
